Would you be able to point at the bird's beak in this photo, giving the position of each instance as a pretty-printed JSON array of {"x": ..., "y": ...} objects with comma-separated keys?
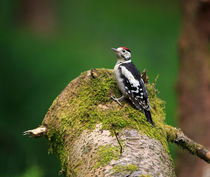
[{"x": 115, "y": 50}]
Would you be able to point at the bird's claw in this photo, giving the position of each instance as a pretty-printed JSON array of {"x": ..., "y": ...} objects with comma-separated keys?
[{"x": 116, "y": 99}]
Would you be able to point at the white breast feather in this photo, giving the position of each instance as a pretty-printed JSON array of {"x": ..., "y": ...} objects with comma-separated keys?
[{"x": 119, "y": 79}]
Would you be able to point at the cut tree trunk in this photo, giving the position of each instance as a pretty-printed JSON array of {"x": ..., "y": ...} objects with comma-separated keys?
[
  {"x": 94, "y": 136},
  {"x": 194, "y": 83}
]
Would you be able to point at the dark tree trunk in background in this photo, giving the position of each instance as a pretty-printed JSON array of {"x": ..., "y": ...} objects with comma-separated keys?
[
  {"x": 37, "y": 14},
  {"x": 194, "y": 83}
]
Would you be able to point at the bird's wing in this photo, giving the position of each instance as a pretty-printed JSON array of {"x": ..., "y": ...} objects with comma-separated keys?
[{"x": 134, "y": 86}]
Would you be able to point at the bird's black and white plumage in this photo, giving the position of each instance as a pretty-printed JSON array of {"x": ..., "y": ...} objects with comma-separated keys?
[{"x": 130, "y": 82}]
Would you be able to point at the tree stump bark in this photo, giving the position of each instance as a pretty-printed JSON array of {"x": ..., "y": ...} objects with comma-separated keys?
[{"x": 94, "y": 136}]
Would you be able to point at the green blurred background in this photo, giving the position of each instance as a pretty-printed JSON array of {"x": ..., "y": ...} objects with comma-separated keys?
[{"x": 45, "y": 44}]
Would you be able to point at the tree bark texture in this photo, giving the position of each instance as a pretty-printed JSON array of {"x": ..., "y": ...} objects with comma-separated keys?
[
  {"x": 94, "y": 136},
  {"x": 194, "y": 83}
]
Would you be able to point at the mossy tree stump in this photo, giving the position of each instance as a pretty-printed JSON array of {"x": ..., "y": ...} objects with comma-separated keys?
[
  {"x": 94, "y": 136},
  {"x": 83, "y": 121}
]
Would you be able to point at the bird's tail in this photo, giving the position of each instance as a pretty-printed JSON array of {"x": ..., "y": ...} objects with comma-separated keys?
[{"x": 149, "y": 117}]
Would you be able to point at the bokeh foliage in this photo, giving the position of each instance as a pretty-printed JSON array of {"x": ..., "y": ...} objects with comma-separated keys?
[{"x": 36, "y": 66}]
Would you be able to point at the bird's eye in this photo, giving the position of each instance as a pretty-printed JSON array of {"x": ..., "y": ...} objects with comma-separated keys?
[{"x": 123, "y": 51}]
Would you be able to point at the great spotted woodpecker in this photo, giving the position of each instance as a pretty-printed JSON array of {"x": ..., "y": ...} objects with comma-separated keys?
[{"x": 130, "y": 82}]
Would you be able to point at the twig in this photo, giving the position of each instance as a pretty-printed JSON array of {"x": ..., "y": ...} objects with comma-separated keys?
[
  {"x": 118, "y": 142},
  {"x": 175, "y": 135},
  {"x": 144, "y": 76},
  {"x": 37, "y": 132}
]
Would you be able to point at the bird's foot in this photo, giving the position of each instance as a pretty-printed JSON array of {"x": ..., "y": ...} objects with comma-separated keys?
[{"x": 117, "y": 99}]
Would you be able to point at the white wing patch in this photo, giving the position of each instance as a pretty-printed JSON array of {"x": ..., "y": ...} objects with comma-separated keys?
[{"x": 130, "y": 77}]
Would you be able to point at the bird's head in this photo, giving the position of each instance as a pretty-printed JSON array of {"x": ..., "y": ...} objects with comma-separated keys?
[{"x": 123, "y": 53}]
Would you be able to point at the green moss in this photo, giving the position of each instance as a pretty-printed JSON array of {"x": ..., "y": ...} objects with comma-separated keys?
[
  {"x": 86, "y": 101},
  {"x": 148, "y": 175},
  {"x": 124, "y": 168},
  {"x": 106, "y": 154},
  {"x": 56, "y": 144}
]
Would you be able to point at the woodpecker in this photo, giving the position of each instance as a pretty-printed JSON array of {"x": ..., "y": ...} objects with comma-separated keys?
[{"x": 130, "y": 82}]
